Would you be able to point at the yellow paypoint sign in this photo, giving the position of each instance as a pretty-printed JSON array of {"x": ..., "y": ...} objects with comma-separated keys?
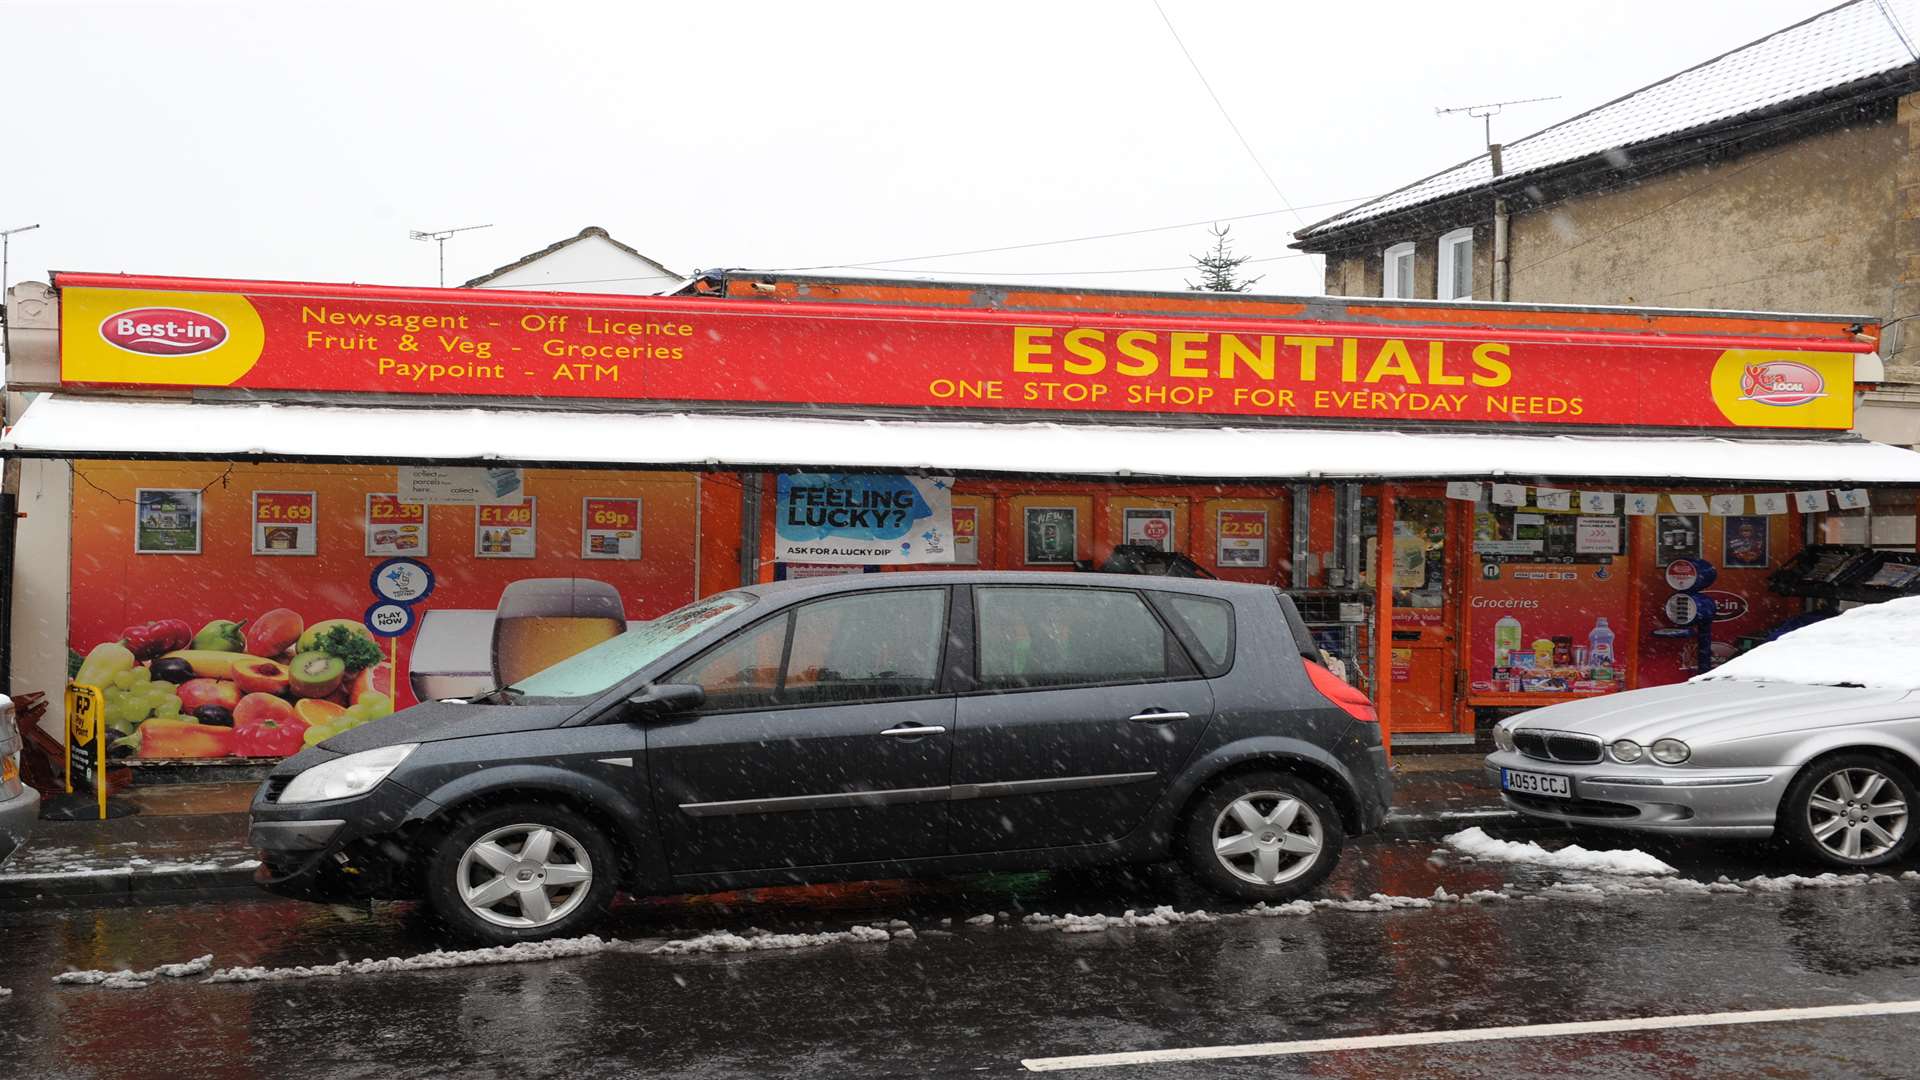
[{"x": 87, "y": 741}]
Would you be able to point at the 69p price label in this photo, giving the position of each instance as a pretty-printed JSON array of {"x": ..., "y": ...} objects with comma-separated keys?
[{"x": 609, "y": 528}]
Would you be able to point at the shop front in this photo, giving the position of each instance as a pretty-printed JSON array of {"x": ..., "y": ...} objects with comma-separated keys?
[{"x": 256, "y": 513}]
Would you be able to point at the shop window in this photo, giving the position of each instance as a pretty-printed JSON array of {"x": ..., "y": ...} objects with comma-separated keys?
[
  {"x": 1419, "y": 550},
  {"x": 1396, "y": 272},
  {"x": 743, "y": 673},
  {"x": 1071, "y": 637},
  {"x": 1456, "y": 265},
  {"x": 866, "y": 647},
  {"x": 1888, "y": 523}
]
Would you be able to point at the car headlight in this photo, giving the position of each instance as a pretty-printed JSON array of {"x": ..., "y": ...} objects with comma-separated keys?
[
  {"x": 343, "y": 778},
  {"x": 1503, "y": 738},
  {"x": 1626, "y": 751},
  {"x": 1670, "y": 751}
]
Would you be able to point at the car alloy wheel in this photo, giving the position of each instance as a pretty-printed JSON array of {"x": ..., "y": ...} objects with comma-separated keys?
[
  {"x": 1267, "y": 837},
  {"x": 1857, "y": 814},
  {"x": 524, "y": 876}
]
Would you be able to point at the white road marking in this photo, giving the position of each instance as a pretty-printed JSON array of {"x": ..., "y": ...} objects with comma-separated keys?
[{"x": 1468, "y": 1035}]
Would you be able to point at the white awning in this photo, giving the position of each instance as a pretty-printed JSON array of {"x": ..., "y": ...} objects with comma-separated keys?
[{"x": 58, "y": 426}]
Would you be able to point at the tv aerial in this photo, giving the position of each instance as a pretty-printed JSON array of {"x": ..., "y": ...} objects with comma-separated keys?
[
  {"x": 1491, "y": 109},
  {"x": 440, "y": 236}
]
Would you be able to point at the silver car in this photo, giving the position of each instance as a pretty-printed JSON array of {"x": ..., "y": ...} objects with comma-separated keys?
[
  {"x": 1814, "y": 737},
  {"x": 19, "y": 804}
]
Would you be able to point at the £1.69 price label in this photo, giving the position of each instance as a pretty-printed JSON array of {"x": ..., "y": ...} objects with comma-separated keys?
[
  {"x": 505, "y": 532},
  {"x": 284, "y": 523},
  {"x": 609, "y": 528}
]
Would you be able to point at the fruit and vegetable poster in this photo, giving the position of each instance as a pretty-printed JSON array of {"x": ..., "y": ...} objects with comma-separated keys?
[{"x": 233, "y": 653}]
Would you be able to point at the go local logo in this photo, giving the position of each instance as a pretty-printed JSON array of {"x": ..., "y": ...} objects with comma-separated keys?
[
  {"x": 163, "y": 331},
  {"x": 1797, "y": 389}
]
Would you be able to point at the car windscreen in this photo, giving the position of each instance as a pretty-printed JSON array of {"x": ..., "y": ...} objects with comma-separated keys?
[{"x": 597, "y": 669}]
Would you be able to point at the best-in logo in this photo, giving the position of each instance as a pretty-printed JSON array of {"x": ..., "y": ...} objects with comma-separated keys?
[
  {"x": 1781, "y": 382},
  {"x": 163, "y": 331}
]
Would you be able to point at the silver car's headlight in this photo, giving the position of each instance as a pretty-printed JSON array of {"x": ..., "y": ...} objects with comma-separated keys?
[
  {"x": 1670, "y": 751},
  {"x": 343, "y": 778},
  {"x": 1503, "y": 738},
  {"x": 1626, "y": 751}
]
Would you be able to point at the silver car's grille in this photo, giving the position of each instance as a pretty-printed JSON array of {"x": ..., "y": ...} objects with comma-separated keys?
[{"x": 1562, "y": 746}]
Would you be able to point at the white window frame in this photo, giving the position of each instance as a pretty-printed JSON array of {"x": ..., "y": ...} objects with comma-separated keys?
[
  {"x": 1448, "y": 242},
  {"x": 1389, "y": 279}
]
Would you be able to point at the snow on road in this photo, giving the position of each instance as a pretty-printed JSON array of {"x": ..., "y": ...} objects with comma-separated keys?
[{"x": 1477, "y": 843}]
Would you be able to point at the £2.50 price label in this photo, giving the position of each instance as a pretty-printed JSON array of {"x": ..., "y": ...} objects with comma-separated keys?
[
  {"x": 284, "y": 522},
  {"x": 609, "y": 528}
]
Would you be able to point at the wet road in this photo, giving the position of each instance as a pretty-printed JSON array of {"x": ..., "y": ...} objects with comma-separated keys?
[{"x": 958, "y": 1000}]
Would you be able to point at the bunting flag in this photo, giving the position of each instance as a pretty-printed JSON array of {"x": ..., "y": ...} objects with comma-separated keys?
[
  {"x": 1553, "y": 499},
  {"x": 1850, "y": 498},
  {"x": 1642, "y": 504},
  {"x": 1689, "y": 504},
  {"x": 1510, "y": 494},
  {"x": 1727, "y": 505},
  {"x": 1810, "y": 502},
  {"x": 1770, "y": 504},
  {"x": 1596, "y": 502},
  {"x": 1464, "y": 490}
]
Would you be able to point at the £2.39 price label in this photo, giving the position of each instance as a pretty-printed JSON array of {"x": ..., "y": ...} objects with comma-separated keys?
[
  {"x": 395, "y": 527},
  {"x": 609, "y": 528},
  {"x": 284, "y": 523}
]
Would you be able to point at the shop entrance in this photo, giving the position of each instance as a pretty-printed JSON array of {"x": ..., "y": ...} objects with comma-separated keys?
[{"x": 1425, "y": 565}]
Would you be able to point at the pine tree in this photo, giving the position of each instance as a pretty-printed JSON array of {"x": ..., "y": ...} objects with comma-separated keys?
[{"x": 1220, "y": 268}]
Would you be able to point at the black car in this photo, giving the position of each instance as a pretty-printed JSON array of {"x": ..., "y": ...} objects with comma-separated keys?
[{"x": 845, "y": 728}]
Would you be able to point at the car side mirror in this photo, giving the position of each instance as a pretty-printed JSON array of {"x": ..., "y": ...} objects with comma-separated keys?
[{"x": 665, "y": 699}]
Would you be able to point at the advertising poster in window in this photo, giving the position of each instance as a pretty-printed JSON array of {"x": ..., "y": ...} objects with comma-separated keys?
[
  {"x": 1149, "y": 526},
  {"x": 609, "y": 528},
  {"x": 1678, "y": 537},
  {"x": 869, "y": 519},
  {"x": 1746, "y": 541},
  {"x": 1241, "y": 539},
  {"x": 166, "y": 521},
  {"x": 966, "y": 536},
  {"x": 284, "y": 522},
  {"x": 1052, "y": 534},
  {"x": 394, "y": 527},
  {"x": 505, "y": 532}
]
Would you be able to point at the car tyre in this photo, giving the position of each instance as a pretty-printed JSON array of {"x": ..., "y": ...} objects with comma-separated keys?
[
  {"x": 1266, "y": 836},
  {"x": 524, "y": 872},
  {"x": 1851, "y": 810}
]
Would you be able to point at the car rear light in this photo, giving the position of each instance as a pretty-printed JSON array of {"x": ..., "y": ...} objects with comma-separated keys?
[{"x": 1335, "y": 689}]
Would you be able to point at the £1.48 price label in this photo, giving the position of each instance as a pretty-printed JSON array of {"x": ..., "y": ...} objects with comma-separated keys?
[
  {"x": 505, "y": 532},
  {"x": 284, "y": 522},
  {"x": 609, "y": 528}
]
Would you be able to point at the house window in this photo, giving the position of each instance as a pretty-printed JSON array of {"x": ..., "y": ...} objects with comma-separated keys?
[
  {"x": 1456, "y": 265},
  {"x": 1396, "y": 272}
]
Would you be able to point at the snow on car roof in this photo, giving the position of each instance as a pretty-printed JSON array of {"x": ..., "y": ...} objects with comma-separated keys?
[
  {"x": 1877, "y": 645},
  {"x": 1837, "y": 47}
]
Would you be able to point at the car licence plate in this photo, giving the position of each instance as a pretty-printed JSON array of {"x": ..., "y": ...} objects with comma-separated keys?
[{"x": 1536, "y": 783}]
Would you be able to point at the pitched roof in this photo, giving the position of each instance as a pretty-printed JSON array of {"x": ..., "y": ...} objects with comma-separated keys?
[
  {"x": 1859, "y": 40},
  {"x": 589, "y": 231}
]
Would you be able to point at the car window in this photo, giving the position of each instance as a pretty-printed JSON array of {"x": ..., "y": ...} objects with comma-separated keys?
[
  {"x": 744, "y": 672},
  {"x": 1210, "y": 621},
  {"x": 1031, "y": 637},
  {"x": 600, "y": 667},
  {"x": 866, "y": 647}
]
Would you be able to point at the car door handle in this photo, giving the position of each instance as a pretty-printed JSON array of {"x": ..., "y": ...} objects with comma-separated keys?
[
  {"x": 1155, "y": 716},
  {"x": 909, "y": 731}
]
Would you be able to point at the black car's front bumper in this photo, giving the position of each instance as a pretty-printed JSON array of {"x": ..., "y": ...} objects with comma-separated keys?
[{"x": 342, "y": 849}]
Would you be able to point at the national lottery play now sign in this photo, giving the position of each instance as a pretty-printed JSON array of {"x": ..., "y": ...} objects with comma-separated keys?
[
  {"x": 121, "y": 332},
  {"x": 864, "y": 519}
]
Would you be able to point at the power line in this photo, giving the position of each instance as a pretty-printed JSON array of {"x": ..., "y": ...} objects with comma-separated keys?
[
  {"x": 865, "y": 263},
  {"x": 1228, "y": 117}
]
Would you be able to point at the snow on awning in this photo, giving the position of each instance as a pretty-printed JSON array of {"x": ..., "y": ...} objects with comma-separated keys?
[{"x": 57, "y": 426}]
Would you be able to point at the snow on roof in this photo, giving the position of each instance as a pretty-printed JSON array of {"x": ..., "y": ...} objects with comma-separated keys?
[
  {"x": 1857, "y": 40},
  {"x": 1877, "y": 645},
  {"x": 68, "y": 426}
]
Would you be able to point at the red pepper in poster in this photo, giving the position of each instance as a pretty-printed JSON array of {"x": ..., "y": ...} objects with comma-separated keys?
[
  {"x": 267, "y": 737},
  {"x": 149, "y": 640},
  {"x": 164, "y": 738}
]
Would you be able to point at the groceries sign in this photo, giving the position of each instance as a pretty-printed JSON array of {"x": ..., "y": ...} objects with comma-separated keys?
[{"x": 121, "y": 332}]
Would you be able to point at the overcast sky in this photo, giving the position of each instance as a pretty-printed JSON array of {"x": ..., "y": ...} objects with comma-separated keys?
[{"x": 303, "y": 141}]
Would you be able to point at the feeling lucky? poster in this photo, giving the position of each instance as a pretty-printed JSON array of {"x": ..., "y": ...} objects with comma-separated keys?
[{"x": 864, "y": 518}]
